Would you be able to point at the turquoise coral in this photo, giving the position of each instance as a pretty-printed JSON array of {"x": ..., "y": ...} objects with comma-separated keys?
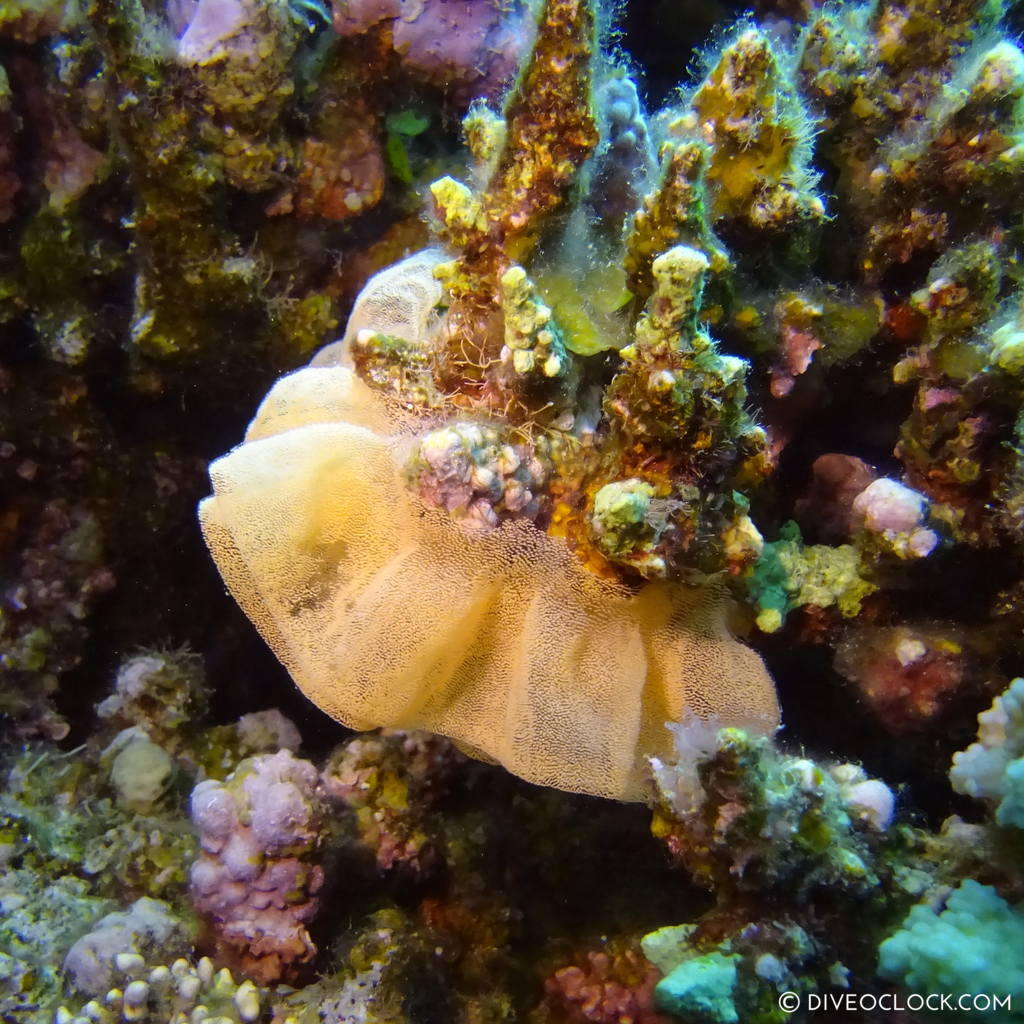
[
  {"x": 993, "y": 768},
  {"x": 790, "y": 575},
  {"x": 968, "y": 948},
  {"x": 700, "y": 989}
]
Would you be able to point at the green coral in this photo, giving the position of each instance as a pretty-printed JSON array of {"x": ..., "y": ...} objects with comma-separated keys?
[
  {"x": 919, "y": 107},
  {"x": 190, "y": 132},
  {"x": 701, "y": 989},
  {"x": 163, "y": 692},
  {"x": 737, "y": 978},
  {"x": 790, "y": 575},
  {"x": 65, "y": 266},
  {"x": 804, "y": 862}
]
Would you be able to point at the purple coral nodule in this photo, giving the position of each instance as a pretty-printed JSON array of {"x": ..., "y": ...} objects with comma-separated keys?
[{"x": 257, "y": 879}]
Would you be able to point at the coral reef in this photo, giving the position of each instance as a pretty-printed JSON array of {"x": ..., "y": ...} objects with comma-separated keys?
[
  {"x": 677, "y": 437},
  {"x": 665, "y": 395},
  {"x": 485, "y": 668}
]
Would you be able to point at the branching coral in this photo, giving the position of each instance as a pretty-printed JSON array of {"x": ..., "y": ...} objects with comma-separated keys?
[
  {"x": 965, "y": 947},
  {"x": 993, "y": 768}
]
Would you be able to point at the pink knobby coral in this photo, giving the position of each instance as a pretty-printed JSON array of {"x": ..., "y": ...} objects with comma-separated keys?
[
  {"x": 257, "y": 879},
  {"x": 607, "y": 988},
  {"x": 896, "y": 516}
]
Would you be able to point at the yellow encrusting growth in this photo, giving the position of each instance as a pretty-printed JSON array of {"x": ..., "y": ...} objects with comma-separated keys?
[
  {"x": 673, "y": 214},
  {"x": 389, "y": 613},
  {"x": 746, "y": 113}
]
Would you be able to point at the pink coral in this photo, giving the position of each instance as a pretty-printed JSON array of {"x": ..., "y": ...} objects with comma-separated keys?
[
  {"x": 896, "y": 515},
  {"x": 607, "y": 989},
  {"x": 470, "y": 471},
  {"x": 256, "y": 880}
]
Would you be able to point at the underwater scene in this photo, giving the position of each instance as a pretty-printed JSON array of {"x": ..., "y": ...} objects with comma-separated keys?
[{"x": 511, "y": 511}]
